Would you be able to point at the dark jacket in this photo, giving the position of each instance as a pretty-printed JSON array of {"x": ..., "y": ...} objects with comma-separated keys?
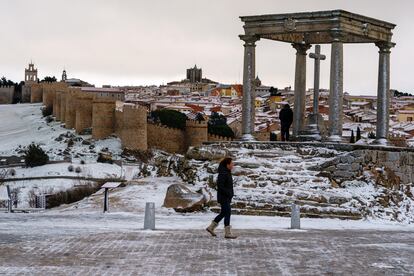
[
  {"x": 224, "y": 185},
  {"x": 286, "y": 116}
]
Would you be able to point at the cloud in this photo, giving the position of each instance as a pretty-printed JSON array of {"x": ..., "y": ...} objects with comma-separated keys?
[{"x": 142, "y": 42}]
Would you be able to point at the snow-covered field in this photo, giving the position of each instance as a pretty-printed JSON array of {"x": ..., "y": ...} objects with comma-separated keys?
[
  {"x": 127, "y": 208},
  {"x": 23, "y": 124},
  {"x": 263, "y": 178}
]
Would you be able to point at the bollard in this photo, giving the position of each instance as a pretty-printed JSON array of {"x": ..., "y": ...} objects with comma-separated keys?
[
  {"x": 10, "y": 201},
  {"x": 295, "y": 217},
  {"x": 149, "y": 220},
  {"x": 106, "y": 201}
]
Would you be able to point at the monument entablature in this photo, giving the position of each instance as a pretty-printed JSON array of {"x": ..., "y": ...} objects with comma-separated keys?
[{"x": 318, "y": 27}]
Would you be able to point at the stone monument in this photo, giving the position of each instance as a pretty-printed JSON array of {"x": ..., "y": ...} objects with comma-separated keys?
[{"x": 334, "y": 27}]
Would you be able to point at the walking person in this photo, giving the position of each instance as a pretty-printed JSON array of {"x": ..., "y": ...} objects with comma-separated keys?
[
  {"x": 224, "y": 195},
  {"x": 286, "y": 119}
]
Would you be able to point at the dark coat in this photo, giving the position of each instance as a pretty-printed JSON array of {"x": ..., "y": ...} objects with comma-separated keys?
[
  {"x": 224, "y": 185},
  {"x": 286, "y": 116}
]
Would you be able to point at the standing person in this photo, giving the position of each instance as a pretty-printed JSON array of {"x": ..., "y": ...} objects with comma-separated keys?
[
  {"x": 224, "y": 195},
  {"x": 286, "y": 119}
]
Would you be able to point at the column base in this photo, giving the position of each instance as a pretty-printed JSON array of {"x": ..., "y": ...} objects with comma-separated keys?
[
  {"x": 310, "y": 133},
  {"x": 248, "y": 138},
  {"x": 381, "y": 142},
  {"x": 335, "y": 139}
]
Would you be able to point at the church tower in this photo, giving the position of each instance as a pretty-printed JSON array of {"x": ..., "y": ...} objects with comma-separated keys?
[
  {"x": 64, "y": 76},
  {"x": 30, "y": 74}
]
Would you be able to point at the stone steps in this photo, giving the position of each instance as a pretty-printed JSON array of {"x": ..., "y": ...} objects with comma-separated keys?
[{"x": 269, "y": 180}]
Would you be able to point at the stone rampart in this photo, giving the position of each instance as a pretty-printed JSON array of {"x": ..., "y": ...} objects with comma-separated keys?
[
  {"x": 6, "y": 94},
  {"x": 70, "y": 108},
  {"x": 83, "y": 112},
  {"x": 103, "y": 118},
  {"x": 196, "y": 132},
  {"x": 56, "y": 105},
  {"x": 36, "y": 93},
  {"x": 63, "y": 106},
  {"x": 134, "y": 127},
  {"x": 217, "y": 138},
  {"x": 168, "y": 139}
]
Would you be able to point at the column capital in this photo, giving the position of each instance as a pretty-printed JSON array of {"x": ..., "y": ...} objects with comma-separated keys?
[
  {"x": 336, "y": 35},
  {"x": 250, "y": 40},
  {"x": 301, "y": 48},
  {"x": 385, "y": 46}
]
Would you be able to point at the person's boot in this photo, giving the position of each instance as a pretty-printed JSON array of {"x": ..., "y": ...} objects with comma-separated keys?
[
  {"x": 228, "y": 234},
  {"x": 211, "y": 228}
]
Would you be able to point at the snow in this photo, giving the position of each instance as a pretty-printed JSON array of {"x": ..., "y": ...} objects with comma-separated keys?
[
  {"x": 262, "y": 176},
  {"x": 128, "y": 205},
  {"x": 21, "y": 124}
]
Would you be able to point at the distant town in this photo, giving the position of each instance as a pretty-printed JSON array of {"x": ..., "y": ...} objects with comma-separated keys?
[{"x": 196, "y": 95}]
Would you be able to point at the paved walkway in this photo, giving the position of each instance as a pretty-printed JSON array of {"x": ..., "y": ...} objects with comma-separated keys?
[{"x": 78, "y": 250}]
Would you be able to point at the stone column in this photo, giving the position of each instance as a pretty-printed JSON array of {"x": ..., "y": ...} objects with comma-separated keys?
[
  {"x": 383, "y": 95},
  {"x": 249, "y": 93},
  {"x": 336, "y": 89},
  {"x": 300, "y": 88}
]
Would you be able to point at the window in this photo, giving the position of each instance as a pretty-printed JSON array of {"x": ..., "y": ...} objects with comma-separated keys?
[{"x": 409, "y": 119}]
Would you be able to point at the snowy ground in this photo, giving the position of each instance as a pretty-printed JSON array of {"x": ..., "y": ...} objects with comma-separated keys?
[
  {"x": 23, "y": 124},
  {"x": 92, "y": 243}
]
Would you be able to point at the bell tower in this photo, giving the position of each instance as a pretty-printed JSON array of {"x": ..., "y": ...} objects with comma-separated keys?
[
  {"x": 64, "y": 76},
  {"x": 30, "y": 74}
]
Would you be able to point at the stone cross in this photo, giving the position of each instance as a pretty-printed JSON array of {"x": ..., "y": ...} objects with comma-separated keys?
[{"x": 317, "y": 56}]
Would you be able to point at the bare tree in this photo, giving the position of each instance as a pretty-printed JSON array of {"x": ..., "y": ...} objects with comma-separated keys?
[{"x": 3, "y": 175}]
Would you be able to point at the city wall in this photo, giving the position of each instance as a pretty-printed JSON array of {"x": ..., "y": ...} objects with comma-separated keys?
[
  {"x": 6, "y": 94},
  {"x": 131, "y": 126},
  {"x": 82, "y": 110}
]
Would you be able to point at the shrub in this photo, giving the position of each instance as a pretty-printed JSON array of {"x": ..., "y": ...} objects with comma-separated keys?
[
  {"x": 70, "y": 168},
  {"x": 35, "y": 156},
  {"x": 70, "y": 142},
  {"x": 82, "y": 162},
  {"x": 372, "y": 135},
  {"x": 273, "y": 136},
  {"x": 78, "y": 170},
  {"x": 47, "y": 111},
  {"x": 12, "y": 172},
  {"x": 170, "y": 118},
  {"x": 142, "y": 155},
  {"x": 49, "y": 119},
  {"x": 73, "y": 195},
  {"x": 221, "y": 130},
  {"x": 217, "y": 125}
]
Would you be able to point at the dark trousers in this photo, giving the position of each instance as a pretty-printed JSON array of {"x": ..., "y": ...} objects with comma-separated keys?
[
  {"x": 224, "y": 213},
  {"x": 285, "y": 133}
]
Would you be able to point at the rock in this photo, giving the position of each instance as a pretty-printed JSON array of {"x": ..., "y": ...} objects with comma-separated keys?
[
  {"x": 248, "y": 165},
  {"x": 86, "y": 142},
  {"x": 86, "y": 131},
  {"x": 344, "y": 174},
  {"x": 337, "y": 200},
  {"x": 206, "y": 154},
  {"x": 105, "y": 158},
  {"x": 182, "y": 199},
  {"x": 343, "y": 167},
  {"x": 347, "y": 159}
]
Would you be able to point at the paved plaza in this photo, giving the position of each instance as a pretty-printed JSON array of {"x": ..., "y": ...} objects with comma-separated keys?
[{"x": 62, "y": 247}]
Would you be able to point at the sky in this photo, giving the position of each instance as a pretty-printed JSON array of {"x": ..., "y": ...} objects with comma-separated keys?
[{"x": 143, "y": 42}]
